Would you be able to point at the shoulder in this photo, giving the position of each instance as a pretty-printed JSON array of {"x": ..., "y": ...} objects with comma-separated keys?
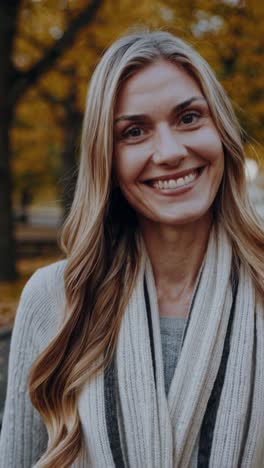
[
  {"x": 47, "y": 279},
  {"x": 46, "y": 286},
  {"x": 42, "y": 303}
]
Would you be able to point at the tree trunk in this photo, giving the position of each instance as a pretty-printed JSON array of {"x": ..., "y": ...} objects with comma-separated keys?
[
  {"x": 13, "y": 84},
  {"x": 8, "y": 14}
]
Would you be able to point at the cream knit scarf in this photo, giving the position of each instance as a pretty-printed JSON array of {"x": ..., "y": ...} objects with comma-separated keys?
[{"x": 217, "y": 391}]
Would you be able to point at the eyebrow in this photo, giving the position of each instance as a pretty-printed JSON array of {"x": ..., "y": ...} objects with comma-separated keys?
[{"x": 180, "y": 107}]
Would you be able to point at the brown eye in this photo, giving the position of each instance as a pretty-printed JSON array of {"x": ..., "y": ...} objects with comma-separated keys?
[
  {"x": 189, "y": 118},
  {"x": 132, "y": 133}
]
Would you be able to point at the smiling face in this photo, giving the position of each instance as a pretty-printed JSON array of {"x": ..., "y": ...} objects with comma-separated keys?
[{"x": 168, "y": 156}]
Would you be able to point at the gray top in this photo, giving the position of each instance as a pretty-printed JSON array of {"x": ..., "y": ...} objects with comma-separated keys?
[{"x": 172, "y": 330}]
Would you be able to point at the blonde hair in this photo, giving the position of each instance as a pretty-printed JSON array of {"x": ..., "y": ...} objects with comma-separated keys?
[{"x": 100, "y": 237}]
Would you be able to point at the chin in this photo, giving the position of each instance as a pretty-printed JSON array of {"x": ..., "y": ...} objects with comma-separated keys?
[{"x": 185, "y": 218}]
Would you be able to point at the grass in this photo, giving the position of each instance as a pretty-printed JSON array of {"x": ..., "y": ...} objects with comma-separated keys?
[{"x": 10, "y": 291}]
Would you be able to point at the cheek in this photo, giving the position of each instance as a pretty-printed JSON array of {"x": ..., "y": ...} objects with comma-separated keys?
[
  {"x": 210, "y": 145},
  {"x": 128, "y": 164}
]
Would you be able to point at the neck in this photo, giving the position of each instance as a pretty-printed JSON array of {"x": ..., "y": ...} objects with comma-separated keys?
[{"x": 176, "y": 254}]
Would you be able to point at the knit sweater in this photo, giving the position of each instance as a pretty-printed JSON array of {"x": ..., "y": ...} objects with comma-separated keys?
[{"x": 24, "y": 436}]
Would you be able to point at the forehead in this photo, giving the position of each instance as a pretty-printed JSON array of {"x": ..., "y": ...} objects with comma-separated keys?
[{"x": 157, "y": 83}]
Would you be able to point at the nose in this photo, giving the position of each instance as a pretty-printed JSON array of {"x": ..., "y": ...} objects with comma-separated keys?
[{"x": 169, "y": 148}]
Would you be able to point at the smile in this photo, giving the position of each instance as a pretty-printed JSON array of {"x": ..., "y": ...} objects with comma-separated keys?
[{"x": 172, "y": 183}]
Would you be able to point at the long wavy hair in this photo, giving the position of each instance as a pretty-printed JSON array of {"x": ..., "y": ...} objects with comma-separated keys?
[{"x": 100, "y": 237}]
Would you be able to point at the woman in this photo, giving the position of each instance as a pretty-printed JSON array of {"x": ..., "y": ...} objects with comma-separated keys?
[{"x": 164, "y": 263}]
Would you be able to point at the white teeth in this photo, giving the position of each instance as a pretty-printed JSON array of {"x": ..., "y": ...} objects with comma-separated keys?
[
  {"x": 180, "y": 182},
  {"x": 174, "y": 183}
]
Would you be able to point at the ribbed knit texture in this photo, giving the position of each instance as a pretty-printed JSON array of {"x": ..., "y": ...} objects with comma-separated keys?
[
  {"x": 157, "y": 431},
  {"x": 23, "y": 435}
]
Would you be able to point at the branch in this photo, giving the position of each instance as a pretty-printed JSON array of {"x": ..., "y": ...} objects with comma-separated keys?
[
  {"x": 33, "y": 41},
  {"x": 50, "y": 98},
  {"x": 23, "y": 80}
]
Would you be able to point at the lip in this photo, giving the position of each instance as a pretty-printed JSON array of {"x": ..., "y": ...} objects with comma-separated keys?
[
  {"x": 177, "y": 190},
  {"x": 175, "y": 175}
]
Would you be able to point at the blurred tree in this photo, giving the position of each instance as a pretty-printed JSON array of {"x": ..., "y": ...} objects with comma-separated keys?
[{"x": 14, "y": 83}]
